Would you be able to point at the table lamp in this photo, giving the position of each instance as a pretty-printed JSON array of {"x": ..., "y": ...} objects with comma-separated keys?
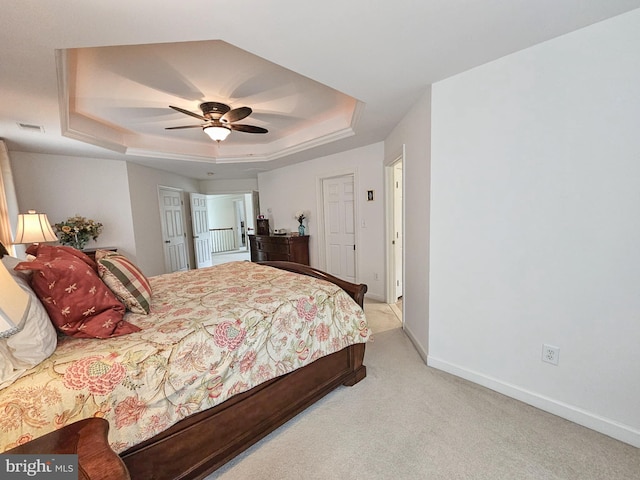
[{"x": 34, "y": 228}]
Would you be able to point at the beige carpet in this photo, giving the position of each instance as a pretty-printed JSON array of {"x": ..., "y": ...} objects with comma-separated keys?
[{"x": 409, "y": 421}]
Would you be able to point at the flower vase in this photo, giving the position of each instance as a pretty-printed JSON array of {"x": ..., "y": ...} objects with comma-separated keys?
[
  {"x": 301, "y": 230},
  {"x": 78, "y": 243}
]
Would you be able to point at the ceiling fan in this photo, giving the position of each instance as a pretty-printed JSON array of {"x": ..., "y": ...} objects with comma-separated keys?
[{"x": 219, "y": 120}]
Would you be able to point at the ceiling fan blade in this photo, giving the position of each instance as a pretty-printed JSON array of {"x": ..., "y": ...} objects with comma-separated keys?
[
  {"x": 236, "y": 114},
  {"x": 184, "y": 126},
  {"x": 187, "y": 112},
  {"x": 247, "y": 128}
]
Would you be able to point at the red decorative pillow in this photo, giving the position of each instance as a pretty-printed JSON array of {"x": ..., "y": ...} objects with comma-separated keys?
[
  {"x": 47, "y": 250},
  {"x": 78, "y": 302}
]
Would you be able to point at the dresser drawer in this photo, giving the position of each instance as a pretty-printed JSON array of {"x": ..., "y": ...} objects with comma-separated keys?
[
  {"x": 286, "y": 248},
  {"x": 269, "y": 247}
]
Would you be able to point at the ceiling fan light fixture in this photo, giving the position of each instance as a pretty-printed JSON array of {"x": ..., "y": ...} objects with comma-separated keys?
[{"x": 217, "y": 133}]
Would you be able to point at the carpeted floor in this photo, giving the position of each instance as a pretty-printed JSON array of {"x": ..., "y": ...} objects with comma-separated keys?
[{"x": 409, "y": 421}]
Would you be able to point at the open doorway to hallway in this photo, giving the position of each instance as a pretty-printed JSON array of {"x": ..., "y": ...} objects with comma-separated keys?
[
  {"x": 231, "y": 219},
  {"x": 395, "y": 234}
]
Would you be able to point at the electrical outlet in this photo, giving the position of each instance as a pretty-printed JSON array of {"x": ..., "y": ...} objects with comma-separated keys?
[{"x": 550, "y": 354}]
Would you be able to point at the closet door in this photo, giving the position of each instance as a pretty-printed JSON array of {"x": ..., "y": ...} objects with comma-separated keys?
[{"x": 339, "y": 226}]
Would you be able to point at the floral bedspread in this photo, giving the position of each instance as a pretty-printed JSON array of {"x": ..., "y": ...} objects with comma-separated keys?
[{"x": 211, "y": 333}]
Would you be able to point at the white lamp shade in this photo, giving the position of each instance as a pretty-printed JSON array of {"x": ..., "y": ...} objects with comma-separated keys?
[
  {"x": 34, "y": 228},
  {"x": 217, "y": 133},
  {"x": 14, "y": 304}
]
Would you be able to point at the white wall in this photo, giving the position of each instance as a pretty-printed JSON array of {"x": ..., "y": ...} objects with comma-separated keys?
[
  {"x": 143, "y": 196},
  {"x": 534, "y": 225},
  {"x": 63, "y": 186},
  {"x": 414, "y": 132},
  {"x": 121, "y": 195},
  {"x": 228, "y": 186},
  {"x": 289, "y": 189},
  {"x": 222, "y": 211}
]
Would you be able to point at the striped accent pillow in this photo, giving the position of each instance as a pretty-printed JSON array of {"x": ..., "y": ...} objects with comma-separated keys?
[{"x": 125, "y": 280}]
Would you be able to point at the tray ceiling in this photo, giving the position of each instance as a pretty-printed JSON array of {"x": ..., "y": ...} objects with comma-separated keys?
[{"x": 118, "y": 98}]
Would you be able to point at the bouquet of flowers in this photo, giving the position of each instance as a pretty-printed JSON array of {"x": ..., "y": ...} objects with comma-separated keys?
[
  {"x": 299, "y": 216},
  {"x": 76, "y": 231}
]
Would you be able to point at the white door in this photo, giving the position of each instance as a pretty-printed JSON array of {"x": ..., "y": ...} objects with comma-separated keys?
[
  {"x": 255, "y": 204},
  {"x": 173, "y": 234},
  {"x": 200, "y": 227},
  {"x": 240, "y": 223},
  {"x": 339, "y": 226},
  {"x": 397, "y": 222}
]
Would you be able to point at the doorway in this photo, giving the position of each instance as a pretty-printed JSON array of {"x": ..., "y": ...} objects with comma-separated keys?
[
  {"x": 231, "y": 219},
  {"x": 394, "y": 200}
]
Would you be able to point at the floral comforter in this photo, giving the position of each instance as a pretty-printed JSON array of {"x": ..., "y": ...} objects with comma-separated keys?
[{"x": 211, "y": 333}]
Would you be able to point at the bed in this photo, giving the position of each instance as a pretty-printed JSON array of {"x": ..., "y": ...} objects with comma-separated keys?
[{"x": 184, "y": 391}]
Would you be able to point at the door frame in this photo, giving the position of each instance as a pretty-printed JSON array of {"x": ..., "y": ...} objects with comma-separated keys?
[
  {"x": 390, "y": 227},
  {"x": 321, "y": 237},
  {"x": 240, "y": 208}
]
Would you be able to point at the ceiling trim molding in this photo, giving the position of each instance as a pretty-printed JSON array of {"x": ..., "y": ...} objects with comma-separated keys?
[
  {"x": 315, "y": 142},
  {"x": 66, "y": 118},
  {"x": 91, "y": 139},
  {"x": 142, "y": 152},
  {"x": 357, "y": 112}
]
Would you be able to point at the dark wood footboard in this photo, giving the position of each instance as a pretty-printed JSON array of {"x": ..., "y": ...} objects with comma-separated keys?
[
  {"x": 200, "y": 444},
  {"x": 356, "y": 291},
  {"x": 203, "y": 442}
]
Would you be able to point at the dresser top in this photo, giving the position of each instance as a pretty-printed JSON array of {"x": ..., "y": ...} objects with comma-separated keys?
[{"x": 285, "y": 235}]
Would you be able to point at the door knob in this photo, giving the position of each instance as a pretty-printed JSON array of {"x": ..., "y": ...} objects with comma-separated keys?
[{"x": 167, "y": 241}]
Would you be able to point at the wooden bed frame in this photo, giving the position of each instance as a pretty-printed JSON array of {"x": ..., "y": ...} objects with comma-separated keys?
[{"x": 201, "y": 443}]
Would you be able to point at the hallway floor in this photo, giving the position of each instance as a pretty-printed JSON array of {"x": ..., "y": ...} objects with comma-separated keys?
[{"x": 234, "y": 256}]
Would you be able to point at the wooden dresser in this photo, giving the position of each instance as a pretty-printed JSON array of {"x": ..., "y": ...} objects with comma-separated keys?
[{"x": 279, "y": 247}]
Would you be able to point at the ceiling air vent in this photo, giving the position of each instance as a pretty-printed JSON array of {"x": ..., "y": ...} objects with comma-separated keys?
[{"x": 31, "y": 128}]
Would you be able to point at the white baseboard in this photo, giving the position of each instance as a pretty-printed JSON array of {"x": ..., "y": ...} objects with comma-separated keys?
[
  {"x": 419, "y": 348},
  {"x": 609, "y": 427},
  {"x": 375, "y": 296}
]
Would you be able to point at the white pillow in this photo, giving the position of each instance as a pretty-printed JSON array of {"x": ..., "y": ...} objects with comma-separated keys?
[
  {"x": 10, "y": 262},
  {"x": 30, "y": 346},
  {"x": 8, "y": 371}
]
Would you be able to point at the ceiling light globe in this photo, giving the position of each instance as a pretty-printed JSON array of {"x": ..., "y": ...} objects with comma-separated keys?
[{"x": 217, "y": 133}]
